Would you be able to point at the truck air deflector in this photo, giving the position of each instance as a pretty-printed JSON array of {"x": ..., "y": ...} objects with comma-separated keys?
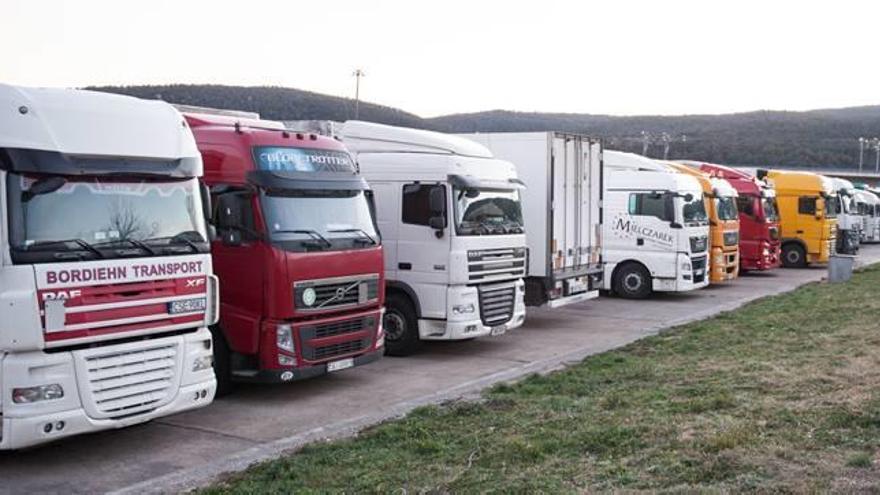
[
  {"x": 308, "y": 181},
  {"x": 470, "y": 182},
  {"x": 53, "y": 162}
]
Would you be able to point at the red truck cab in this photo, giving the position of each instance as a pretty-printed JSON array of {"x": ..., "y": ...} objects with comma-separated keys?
[
  {"x": 297, "y": 250},
  {"x": 759, "y": 240}
]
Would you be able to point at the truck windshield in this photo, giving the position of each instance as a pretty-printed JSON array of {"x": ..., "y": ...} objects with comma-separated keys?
[
  {"x": 694, "y": 211},
  {"x": 770, "y": 212},
  {"x": 487, "y": 212},
  {"x": 90, "y": 218},
  {"x": 309, "y": 220},
  {"x": 727, "y": 208}
]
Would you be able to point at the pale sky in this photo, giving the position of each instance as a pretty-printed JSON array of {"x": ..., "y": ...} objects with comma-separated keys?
[{"x": 447, "y": 56}]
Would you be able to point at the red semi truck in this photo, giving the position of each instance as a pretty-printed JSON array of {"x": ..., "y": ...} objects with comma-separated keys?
[
  {"x": 297, "y": 252},
  {"x": 759, "y": 240}
]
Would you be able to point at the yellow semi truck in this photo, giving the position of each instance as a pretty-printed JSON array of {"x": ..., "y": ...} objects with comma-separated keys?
[
  {"x": 720, "y": 198},
  {"x": 808, "y": 208}
]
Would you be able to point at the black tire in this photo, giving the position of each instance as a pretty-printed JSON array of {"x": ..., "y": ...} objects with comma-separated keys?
[
  {"x": 222, "y": 369},
  {"x": 401, "y": 326},
  {"x": 632, "y": 281},
  {"x": 793, "y": 256}
]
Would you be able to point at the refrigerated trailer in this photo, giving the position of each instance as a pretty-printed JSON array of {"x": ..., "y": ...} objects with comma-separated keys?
[
  {"x": 562, "y": 210},
  {"x": 106, "y": 290}
]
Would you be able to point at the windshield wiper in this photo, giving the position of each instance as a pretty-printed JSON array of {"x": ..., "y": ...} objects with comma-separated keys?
[
  {"x": 79, "y": 242},
  {"x": 135, "y": 243},
  {"x": 317, "y": 236},
  {"x": 357, "y": 231},
  {"x": 143, "y": 244}
]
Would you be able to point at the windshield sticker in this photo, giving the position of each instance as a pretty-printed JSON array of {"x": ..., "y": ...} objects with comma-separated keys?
[
  {"x": 115, "y": 188},
  {"x": 281, "y": 159},
  {"x": 627, "y": 227}
]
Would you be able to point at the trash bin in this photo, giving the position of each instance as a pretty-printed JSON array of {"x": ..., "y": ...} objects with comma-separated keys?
[{"x": 840, "y": 267}]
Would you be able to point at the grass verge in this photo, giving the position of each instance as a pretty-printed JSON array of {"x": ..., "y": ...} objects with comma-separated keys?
[{"x": 780, "y": 395}]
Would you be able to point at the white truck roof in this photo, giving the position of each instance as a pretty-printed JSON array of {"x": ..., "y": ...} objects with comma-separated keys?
[
  {"x": 842, "y": 185},
  {"x": 868, "y": 197},
  {"x": 619, "y": 160},
  {"x": 628, "y": 170},
  {"x": 368, "y": 137},
  {"x": 90, "y": 123}
]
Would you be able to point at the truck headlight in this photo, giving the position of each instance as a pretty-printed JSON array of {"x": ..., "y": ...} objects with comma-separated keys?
[
  {"x": 202, "y": 363},
  {"x": 285, "y": 360},
  {"x": 685, "y": 266},
  {"x": 766, "y": 252},
  {"x": 284, "y": 338},
  {"x": 39, "y": 393},
  {"x": 463, "y": 309}
]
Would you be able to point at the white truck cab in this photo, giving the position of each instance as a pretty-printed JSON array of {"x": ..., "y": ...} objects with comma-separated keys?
[
  {"x": 655, "y": 230},
  {"x": 849, "y": 222},
  {"x": 451, "y": 222},
  {"x": 867, "y": 205},
  {"x": 106, "y": 286}
]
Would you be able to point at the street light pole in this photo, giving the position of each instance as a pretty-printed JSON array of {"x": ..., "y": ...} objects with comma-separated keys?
[
  {"x": 358, "y": 74},
  {"x": 861, "y": 153}
]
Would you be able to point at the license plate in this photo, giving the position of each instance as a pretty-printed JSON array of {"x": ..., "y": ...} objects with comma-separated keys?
[
  {"x": 575, "y": 286},
  {"x": 496, "y": 331},
  {"x": 187, "y": 306},
  {"x": 340, "y": 365}
]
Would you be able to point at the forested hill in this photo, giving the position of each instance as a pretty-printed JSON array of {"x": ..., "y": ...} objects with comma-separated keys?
[{"x": 818, "y": 138}]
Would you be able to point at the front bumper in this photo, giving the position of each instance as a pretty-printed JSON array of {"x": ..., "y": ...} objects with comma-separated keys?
[
  {"x": 686, "y": 281},
  {"x": 724, "y": 265},
  {"x": 304, "y": 372},
  {"x": 468, "y": 324},
  {"x": 26, "y": 425}
]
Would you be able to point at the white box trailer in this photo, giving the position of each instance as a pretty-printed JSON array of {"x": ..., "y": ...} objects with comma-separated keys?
[{"x": 562, "y": 210}]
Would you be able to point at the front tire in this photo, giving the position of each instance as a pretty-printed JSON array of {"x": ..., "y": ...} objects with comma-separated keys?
[
  {"x": 794, "y": 256},
  {"x": 222, "y": 368},
  {"x": 632, "y": 281},
  {"x": 401, "y": 326}
]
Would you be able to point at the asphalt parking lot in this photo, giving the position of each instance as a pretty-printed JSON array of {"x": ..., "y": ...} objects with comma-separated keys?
[{"x": 258, "y": 422}]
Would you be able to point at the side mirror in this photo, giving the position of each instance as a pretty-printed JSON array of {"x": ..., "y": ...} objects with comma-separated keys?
[
  {"x": 229, "y": 211},
  {"x": 437, "y": 222},
  {"x": 438, "y": 200},
  {"x": 820, "y": 207}
]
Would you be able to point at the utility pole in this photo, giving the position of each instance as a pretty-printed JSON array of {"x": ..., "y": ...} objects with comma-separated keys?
[
  {"x": 646, "y": 142},
  {"x": 861, "y": 153},
  {"x": 877, "y": 151},
  {"x": 666, "y": 138},
  {"x": 358, "y": 74}
]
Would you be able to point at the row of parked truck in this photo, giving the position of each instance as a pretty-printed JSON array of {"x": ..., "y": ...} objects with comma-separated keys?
[{"x": 153, "y": 256}]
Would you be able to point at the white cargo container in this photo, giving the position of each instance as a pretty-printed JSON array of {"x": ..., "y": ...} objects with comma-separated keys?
[{"x": 562, "y": 210}]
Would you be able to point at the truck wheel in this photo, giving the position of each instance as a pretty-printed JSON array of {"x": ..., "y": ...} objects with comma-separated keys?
[
  {"x": 401, "y": 326},
  {"x": 793, "y": 256},
  {"x": 222, "y": 370},
  {"x": 632, "y": 281}
]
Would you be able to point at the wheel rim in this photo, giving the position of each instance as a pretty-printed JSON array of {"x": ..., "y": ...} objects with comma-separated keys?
[
  {"x": 793, "y": 256},
  {"x": 632, "y": 282},
  {"x": 394, "y": 326}
]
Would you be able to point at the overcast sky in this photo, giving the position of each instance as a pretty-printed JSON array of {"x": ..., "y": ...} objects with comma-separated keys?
[{"x": 448, "y": 56}]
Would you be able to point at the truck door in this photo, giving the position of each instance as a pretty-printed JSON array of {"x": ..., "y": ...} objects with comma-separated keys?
[
  {"x": 652, "y": 235},
  {"x": 423, "y": 246},
  {"x": 566, "y": 162}
]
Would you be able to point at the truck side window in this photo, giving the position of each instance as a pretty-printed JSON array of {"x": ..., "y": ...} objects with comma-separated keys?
[
  {"x": 746, "y": 205},
  {"x": 416, "y": 208},
  {"x": 233, "y": 210},
  {"x": 806, "y": 205},
  {"x": 649, "y": 205}
]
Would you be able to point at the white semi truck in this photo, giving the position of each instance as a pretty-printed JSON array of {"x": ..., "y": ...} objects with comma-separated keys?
[
  {"x": 562, "y": 209},
  {"x": 868, "y": 207},
  {"x": 451, "y": 221},
  {"x": 106, "y": 288},
  {"x": 849, "y": 222},
  {"x": 655, "y": 229}
]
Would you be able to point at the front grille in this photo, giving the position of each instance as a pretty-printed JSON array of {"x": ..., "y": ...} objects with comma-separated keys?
[
  {"x": 496, "y": 264},
  {"x": 356, "y": 328},
  {"x": 699, "y": 244},
  {"x": 731, "y": 238},
  {"x": 125, "y": 383},
  {"x": 337, "y": 293},
  {"x": 496, "y": 304},
  {"x": 774, "y": 233},
  {"x": 338, "y": 349},
  {"x": 698, "y": 266}
]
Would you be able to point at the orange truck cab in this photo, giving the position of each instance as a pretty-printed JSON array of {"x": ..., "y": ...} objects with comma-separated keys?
[
  {"x": 720, "y": 198},
  {"x": 808, "y": 208}
]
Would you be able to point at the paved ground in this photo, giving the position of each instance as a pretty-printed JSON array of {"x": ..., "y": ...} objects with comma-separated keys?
[{"x": 258, "y": 422}]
